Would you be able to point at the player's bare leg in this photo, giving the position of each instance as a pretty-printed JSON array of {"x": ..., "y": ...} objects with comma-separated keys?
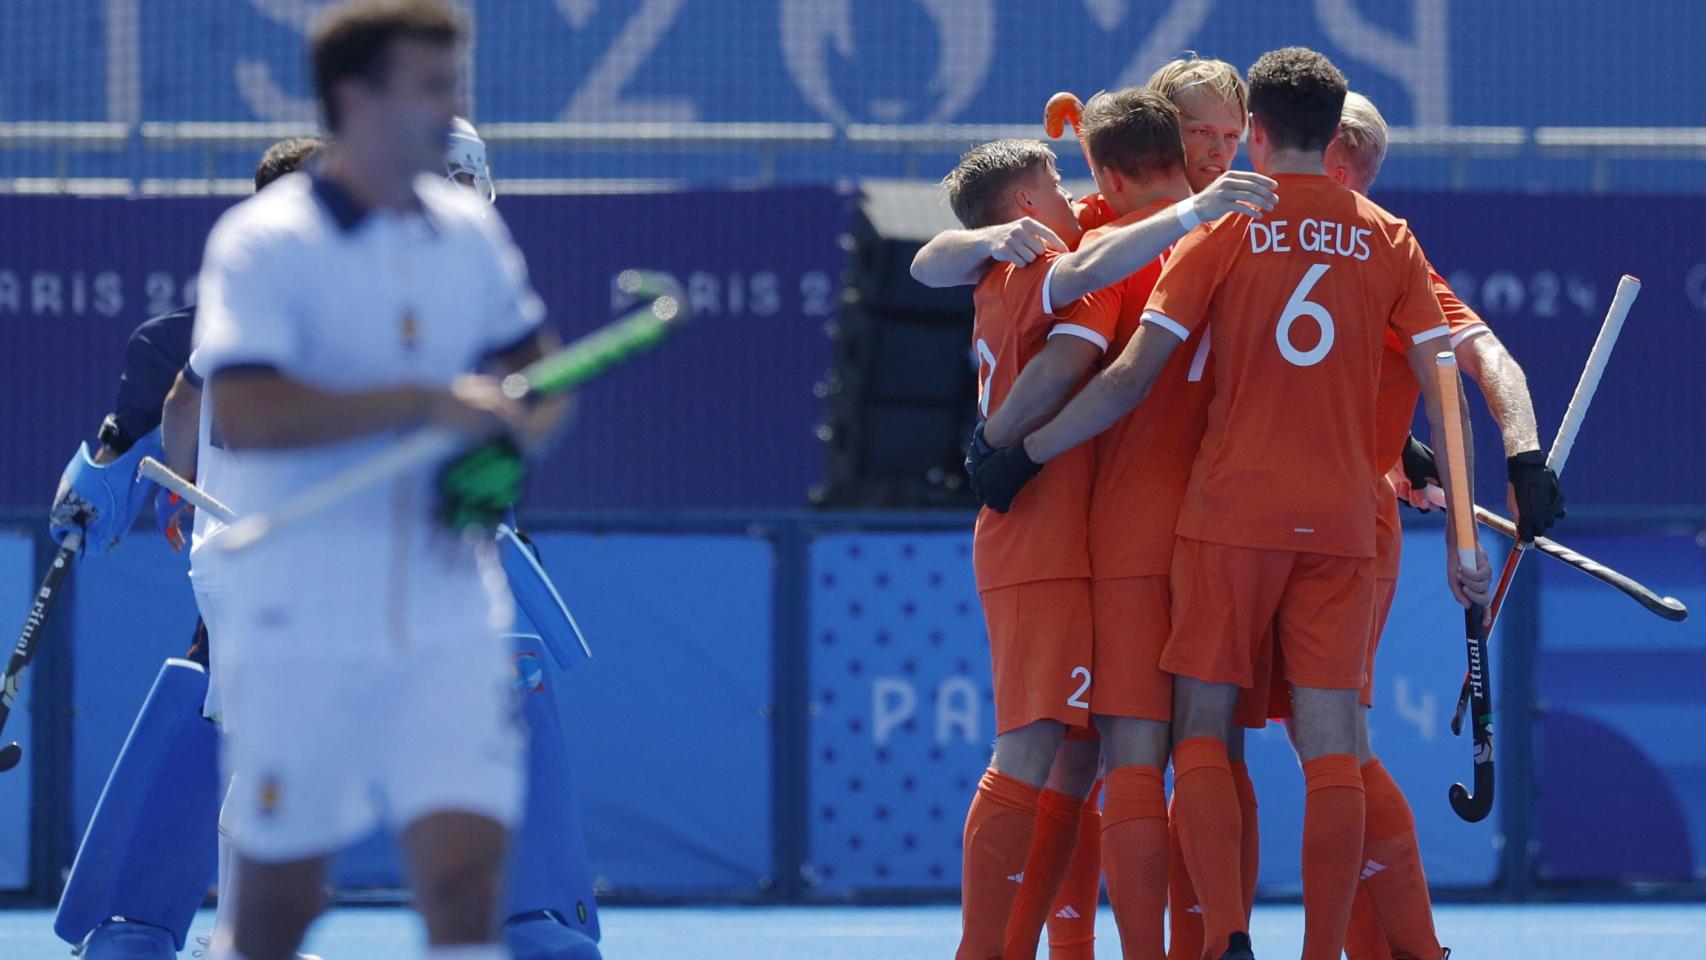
[
  {"x": 1207, "y": 809},
  {"x": 1326, "y": 729},
  {"x": 455, "y": 861},
  {"x": 279, "y": 901}
]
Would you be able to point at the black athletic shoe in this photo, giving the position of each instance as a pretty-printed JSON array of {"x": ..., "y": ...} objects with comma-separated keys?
[{"x": 1238, "y": 948}]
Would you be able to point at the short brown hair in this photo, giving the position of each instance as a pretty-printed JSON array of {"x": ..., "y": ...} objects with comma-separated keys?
[
  {"x": 1134, "y": 131},
  {"x": 354, "y": 40},
  {"x": 1190, "y": 72},
  {"x": 977, "y": 188},
  {"x": 1298, "y": 95},
  {"x": 285, "y": 156}
]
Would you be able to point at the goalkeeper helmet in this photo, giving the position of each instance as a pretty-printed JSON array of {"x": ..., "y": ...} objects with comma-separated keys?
[{"x": 465, "y": 160}]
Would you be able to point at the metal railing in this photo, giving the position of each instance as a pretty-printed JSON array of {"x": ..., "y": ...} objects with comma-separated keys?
[{"x": 765, "y": 142}]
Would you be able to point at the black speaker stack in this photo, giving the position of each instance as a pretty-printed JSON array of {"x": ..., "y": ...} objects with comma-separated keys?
[{"x": 901, "y": 397}]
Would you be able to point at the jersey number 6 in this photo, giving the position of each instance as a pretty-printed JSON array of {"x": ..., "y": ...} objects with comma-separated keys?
[{"x": 1300, "y": 306}]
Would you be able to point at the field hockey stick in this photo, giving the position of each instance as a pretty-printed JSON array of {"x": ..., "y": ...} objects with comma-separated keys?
[
  {"x": 1668, "y": 608},
  {"x": 1064, "y": 108},
  {"x": 663, "y": 313},
  {"x": 191, "y": 494},
  {"x": 25, "y": 649},
  {"x": 1628, "y": 289},
  {"x": 1472, "y": 807}
]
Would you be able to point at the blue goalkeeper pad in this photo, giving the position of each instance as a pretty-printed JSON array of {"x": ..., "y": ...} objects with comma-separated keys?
[
  {"x": 537, "y": 599},
  {"x": 152, "y": 846},
  {"x": 549, "y": 868}
]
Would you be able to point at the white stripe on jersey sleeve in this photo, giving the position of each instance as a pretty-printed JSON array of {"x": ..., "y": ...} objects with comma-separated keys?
[
  {"x": 1440, "y": 331},
  {"x": 1081, "y": 332},
  {"x": 1166, "y": 323},
  {"x": 1474, "y": 330}
]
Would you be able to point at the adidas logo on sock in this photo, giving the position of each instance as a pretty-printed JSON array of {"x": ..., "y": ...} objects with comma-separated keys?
[
  {"x": 1372, "y": 868},
  {"x": 1067, "y": 913},
  {"x": 1196, "y": 909},
  {"x": 1018, "y": 877}
]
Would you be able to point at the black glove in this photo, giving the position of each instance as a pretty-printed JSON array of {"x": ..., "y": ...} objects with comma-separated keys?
[
  {"x": 1539, "y": 498},
  {"x": 1419, "y": 465},
  {"x": 1002, "y": 475},
  {"x": 977, "y": 451},
  {"x": 479, "y": 487}
]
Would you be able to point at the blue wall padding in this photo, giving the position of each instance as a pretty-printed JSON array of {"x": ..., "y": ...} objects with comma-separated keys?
[
  {"x": 18, "y": 579},
  {"x": 1622, "y": 696}
]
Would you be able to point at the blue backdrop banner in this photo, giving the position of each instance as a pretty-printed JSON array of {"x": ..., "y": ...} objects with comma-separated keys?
[
  {"x": 762, "y": 273},
  {"x": 1429, "y": 62}
]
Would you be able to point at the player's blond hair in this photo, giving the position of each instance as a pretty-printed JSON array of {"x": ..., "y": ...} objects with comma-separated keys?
[
  {"x": 1362, "y": 137},
  {"x": 1189, "y": 72},
  {"x": 978, "y": 188}
]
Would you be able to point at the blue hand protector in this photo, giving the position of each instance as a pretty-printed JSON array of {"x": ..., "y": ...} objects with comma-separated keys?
[{"x": 102, "y": 499}]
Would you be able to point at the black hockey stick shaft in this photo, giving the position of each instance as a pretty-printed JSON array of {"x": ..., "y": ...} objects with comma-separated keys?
[
  {"x": 30, "y": 637},
  {"x": 1474, "y": 807}
]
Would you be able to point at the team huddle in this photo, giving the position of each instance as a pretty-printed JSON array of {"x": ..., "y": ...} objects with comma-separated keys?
[{"x": 1196, "y": 389}]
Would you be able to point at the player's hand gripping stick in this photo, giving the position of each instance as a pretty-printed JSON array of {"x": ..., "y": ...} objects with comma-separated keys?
[
  {"x": 1471, "y": 807},
  {"x": 1627, "y": 290},
  {"x": 661, "y": 314}
]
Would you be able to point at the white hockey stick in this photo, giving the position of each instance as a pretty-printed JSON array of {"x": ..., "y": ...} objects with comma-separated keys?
[
  {"x": 191, "y": 494},
  {"x": 1627, "y": 290}
]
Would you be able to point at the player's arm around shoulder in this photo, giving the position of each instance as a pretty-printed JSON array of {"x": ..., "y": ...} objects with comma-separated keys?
[
  {"x": 957, "y": 258},
  {"x": 1118, "y": 253}
]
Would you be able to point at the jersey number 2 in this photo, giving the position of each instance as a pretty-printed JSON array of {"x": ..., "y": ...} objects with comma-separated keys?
[
  {"x": 1077, "y": 698},
  {"x": 1301, "y": 306}
]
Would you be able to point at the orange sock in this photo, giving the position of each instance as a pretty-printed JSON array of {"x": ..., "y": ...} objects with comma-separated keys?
[
  {"x": 1250, "y": 847},
  {"x": 1364, "y": 940},
  {"x": 1184, "y": 913},
  {"x": 1210, "y": 835},
  {"x": 1134, "y": 847},
  {"x": 1072, "y": 919},
  {"x": 1052, "y": 845},
  {"x": 999, "y": 825},
  {"x": 1392, "y": 868},
  {"x": 1332, "y": 851}
]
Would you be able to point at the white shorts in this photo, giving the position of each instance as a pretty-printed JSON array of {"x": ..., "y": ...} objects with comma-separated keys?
[
  {"x": 323, "y": 752},
  {"x": 209, "y": 602}
]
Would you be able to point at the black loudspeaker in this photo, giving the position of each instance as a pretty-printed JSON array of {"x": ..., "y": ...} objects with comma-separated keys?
[{"x": 901, "y": 398}]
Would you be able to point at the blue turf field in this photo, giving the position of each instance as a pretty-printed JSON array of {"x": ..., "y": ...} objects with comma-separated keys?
[{"x": 1569, "y": 932}]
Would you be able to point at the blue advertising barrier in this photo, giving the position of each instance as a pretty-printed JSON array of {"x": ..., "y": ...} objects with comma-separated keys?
[
  {"x": 798, "y": 706},
  {"x": 1428, "y": 62}
]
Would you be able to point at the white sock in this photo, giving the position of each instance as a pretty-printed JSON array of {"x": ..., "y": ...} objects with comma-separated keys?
[
  {"x": 469, "y": 951},
  {"x": 221, "y": 947},
  {"x": 225, "y": 914}
]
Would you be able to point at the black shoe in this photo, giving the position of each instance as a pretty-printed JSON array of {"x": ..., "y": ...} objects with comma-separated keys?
[{"x": 1238, "y": 948}]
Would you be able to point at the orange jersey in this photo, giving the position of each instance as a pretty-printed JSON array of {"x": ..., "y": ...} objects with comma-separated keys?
[
  {"x": 1395, "y": 408},
  {"x": 1297, "y": 306},
  {"x": 1144, "y": 461},
  {"x": 1043, "y": 536},
  {"x": 1092, "y": 211}
]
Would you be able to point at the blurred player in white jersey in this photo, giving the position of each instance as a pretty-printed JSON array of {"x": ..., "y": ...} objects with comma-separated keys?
[{"x": 369, "y": 688}]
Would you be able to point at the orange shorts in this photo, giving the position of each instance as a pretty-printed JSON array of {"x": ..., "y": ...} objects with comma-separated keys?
[
  {"x": 1270, "y": 672},
  {"x": 1321, "y": 609},
  {"x": 1040, "y": 641},
  {"x": 1132, "y": 615}
]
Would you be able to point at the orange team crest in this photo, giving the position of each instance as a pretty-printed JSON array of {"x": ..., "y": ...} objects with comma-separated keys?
[
  {"x": 409, "y": 329},
  {"x": 269, "y": 795}
]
